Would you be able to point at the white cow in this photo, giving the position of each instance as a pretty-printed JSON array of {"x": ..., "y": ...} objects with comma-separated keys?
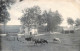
[{"x": 57, "y": 39}]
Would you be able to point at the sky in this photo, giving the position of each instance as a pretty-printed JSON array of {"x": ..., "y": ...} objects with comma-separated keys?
[{"x": 67, "y": 8}]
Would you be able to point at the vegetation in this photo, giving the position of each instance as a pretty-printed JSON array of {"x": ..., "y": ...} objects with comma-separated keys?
[
  {"x": 34, "y": 16},
  {"x": 53, "y": 20},
  {"x": 4, "y": 15},
  {"x": 31, "y": 17},
  {"x": 70, "y": 21},
  {"x": 77, "y": 22}
]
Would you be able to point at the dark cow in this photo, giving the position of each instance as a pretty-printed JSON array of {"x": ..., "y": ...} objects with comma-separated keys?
[
  {"x": 28, "y": 39},
  {"x": 44, "y": 41},
  {"x": 40, "y": 41}
]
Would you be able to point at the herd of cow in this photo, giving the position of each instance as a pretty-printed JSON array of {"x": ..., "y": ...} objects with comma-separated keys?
[
  {"x": 40, "y": 41},
  {"x": 32, "y": 39},
  {"x": 36, "y": 41}
]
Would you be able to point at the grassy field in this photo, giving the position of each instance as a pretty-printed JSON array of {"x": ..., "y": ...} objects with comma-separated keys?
[
  {"x": 69, "y": 42},
  {"x": 29, "y": 46}
]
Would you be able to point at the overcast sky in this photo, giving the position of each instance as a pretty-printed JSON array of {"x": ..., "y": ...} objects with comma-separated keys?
[{"x": 67, "y": 8}]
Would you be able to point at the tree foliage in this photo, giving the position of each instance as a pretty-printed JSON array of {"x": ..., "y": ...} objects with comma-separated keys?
[
  {"x": 31, "y": 16},
  {"x": 77, "y": 22},
  {"x": 70, "y": 21},
  {"x": 4, "y": 15},
  {"x": 53, "y": 20},
  {"x": 44, "y": 16},
  {"x": 34, "y": 16}
]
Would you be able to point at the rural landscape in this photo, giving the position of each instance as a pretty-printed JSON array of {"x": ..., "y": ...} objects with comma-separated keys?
[{"x": 38, "y": 27}]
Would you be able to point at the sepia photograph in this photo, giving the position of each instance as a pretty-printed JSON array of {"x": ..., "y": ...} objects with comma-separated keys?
[{"x": 39, "y": 25}]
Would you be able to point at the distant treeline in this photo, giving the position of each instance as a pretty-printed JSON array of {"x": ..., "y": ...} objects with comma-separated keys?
[{"x": 10, "y": 29}]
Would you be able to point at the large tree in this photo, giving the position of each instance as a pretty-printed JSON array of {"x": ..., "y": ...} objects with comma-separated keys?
[
  {"x": 34, "y": 16},
  {"x": 70, "y": 21},
  {"x": 4, "y": 15},
  {"x": 53, "y": 20},
  {"x": 31, "y": 16}
]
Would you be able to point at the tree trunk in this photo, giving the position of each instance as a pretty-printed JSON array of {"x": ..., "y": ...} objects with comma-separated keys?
[
  {"x": 28, "y": 29},
  {"x": 4, "y": 28}
]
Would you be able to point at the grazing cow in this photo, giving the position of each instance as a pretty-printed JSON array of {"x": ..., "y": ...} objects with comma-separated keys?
[
  {"x": 40, "y": 41},
  {"x": 44, "y": 41},
  {"x": 56, "y": 39},
  {"x": 28, "y": 39}
]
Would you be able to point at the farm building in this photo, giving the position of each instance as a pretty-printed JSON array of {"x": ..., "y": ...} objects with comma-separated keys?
[{"x": 67, "y": 30}]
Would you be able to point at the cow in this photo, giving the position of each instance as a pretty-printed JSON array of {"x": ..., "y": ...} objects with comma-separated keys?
[{"x": 57, "y": 39}]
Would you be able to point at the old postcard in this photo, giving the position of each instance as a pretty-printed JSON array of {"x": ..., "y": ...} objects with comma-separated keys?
[{"x": 39, "y": 25}]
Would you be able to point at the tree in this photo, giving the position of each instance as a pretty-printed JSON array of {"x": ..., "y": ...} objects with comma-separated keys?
[
  {"x": 4, "y": 15},
  {"x": 77, "y": 22},
  {"x": 70, "y": 21},
  {"x": 44, "y": 16},
  {"x": 53, "y": 20},
  {"x": 31, "y": 17}
]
